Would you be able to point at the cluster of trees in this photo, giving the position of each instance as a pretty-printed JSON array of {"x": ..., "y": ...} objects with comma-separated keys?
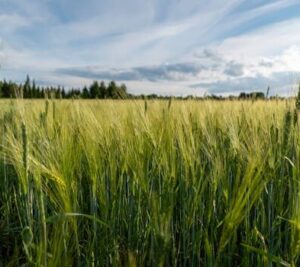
[
  {"x": 252, "y": 95},
  {"x": 29, "y": 89},
  {"x": 98, "y": 90},
  {"x": 241, "y": 96}
]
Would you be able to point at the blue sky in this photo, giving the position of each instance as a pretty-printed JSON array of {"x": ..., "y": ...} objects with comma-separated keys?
[{"x": 168, "y": 47}]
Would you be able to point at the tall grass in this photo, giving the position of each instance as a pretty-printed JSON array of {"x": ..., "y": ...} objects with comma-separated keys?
[{"x": 155, "y": 183}]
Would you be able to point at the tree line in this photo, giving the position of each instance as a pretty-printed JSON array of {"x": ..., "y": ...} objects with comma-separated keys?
[
  {"x": 29, "y": 89},
  {"x": 98, "y": 90}
]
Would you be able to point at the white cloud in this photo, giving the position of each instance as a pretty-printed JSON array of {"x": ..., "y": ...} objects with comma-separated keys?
[
  {"x": 131, "y": 34},
  {"x": 265, "y": 54},
  {"x": 267, "y": 41}
]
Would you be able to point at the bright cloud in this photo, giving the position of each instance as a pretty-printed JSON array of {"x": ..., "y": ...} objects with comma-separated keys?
[{"x": 154, "y": 46}]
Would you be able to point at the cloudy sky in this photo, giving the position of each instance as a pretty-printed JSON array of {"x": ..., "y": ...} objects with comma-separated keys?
[{"x": 176, "y": 47}]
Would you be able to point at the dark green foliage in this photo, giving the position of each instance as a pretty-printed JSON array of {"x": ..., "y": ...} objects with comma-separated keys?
[
  {"x": 94, "y": 91},
  {"x": 102, "y": 90},
  {"x": 252, "y": 95},
  {"x": 99, "y": 90},
  {"x": 9, "y": 89},
  {"x": 31, "y": 90},
  {"x": 85, "y": 93}
]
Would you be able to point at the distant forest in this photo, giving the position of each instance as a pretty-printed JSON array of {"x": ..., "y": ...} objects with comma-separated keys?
[
  {"x": 29, "y": 89},
  {"x": 97, "y": 90}
]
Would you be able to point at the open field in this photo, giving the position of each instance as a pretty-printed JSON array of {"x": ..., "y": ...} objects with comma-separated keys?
[{"x": 157, "y": 183}]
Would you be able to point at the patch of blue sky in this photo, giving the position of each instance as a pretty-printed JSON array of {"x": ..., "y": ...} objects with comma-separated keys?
[{"x": 261, "y": 21}]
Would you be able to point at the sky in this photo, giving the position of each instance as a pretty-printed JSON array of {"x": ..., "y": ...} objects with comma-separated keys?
[{"x": 166, "y": 47}]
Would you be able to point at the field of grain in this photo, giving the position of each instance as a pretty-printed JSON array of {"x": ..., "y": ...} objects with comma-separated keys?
[{"x": 156, "y": 183}]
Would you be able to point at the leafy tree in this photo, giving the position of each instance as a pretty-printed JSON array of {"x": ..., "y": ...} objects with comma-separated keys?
[
  {"x": 33, "y": 93},
  {"x": 94, "y": 90},
  {"x": 102, "y": 90},
  {"x": 111, "y": 89},
  {"x": 63, "y": 93},
  {"x": 85, "y": 93},
  {"x": 5, "y": 90},
  {"x": 26, "y": 87}
]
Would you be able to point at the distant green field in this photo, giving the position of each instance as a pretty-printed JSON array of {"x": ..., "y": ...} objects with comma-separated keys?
[{"x": 157, "y": 183}]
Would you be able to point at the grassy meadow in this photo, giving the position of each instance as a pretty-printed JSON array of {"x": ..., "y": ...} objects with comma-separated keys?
[{"x": 149, "y": 183}]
